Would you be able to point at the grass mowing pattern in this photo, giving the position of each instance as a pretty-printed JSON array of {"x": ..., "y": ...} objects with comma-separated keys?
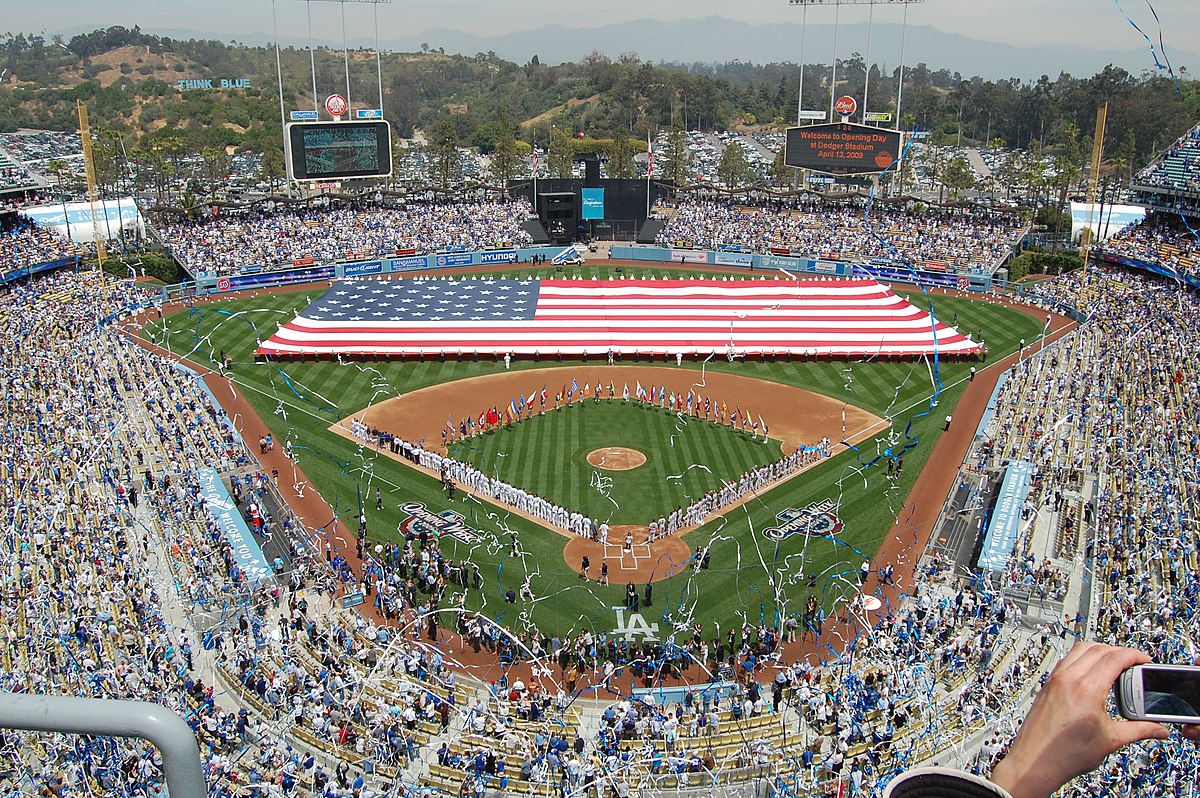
[
  {"x": 547, "y": 455},
  {"x": 751, "y": 578}
]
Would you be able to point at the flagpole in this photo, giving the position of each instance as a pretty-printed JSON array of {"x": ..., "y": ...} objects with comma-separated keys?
[{"x": 649, "y": 170}]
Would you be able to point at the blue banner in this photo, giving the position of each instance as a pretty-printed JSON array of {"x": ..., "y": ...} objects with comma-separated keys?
[
  {"x": 356, "y": 269},
  {"x": 17, "y": 274},
  {"x": 246, "y": 551},
  {"x": 593, "y": 203},
  {"x": 409, "y": 264},
  {"x": 781, "y": 262},
  {"x": 455, "y": 259},
  {"x": 727, "y": 259},
  {"x": 1005, "y": 525},
  {"x": 500, "y": 256},
  {"x": 306, "y": 275}
]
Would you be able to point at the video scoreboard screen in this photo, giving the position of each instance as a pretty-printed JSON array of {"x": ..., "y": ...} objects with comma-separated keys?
[
  {"x": 841, "y": 148},
  {"x": 338, "y": 150}
]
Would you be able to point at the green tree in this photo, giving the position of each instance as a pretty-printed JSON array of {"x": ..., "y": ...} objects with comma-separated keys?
[
  {"x": 677, "y": 156},
  {"x": 957, "y": 176},
  {"x": 561, "y": 152},
  {"x": 446, "y": 166},
  {"x": 272, "y": 167},
  {"x": 59, "y": 169},
  {"x": 620, "y": 156},
  {"x": 734, "y": 167},
  {"x": 781, "y": 175},
  {"x": 216, "y": 168},
  {"x": 1127, "y": 155},
  {"x": 506, "y": 161},
  {"x": 1068, "y": 169}
]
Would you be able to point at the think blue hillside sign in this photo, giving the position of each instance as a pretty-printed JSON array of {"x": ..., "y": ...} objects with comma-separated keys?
[{"x": 212, "y": 84}]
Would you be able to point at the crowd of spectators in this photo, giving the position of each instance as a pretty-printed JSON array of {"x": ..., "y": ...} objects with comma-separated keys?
[
  {"x": 1177, "y": 168},
  {"x": 230, "y": 242},
  {"x": 963, "y": 241},
  {"x": 1107, "y": 418},
  {"x": 24, "y": 244},
  {"x": 1160, "y": 239},
  {"x": 110, "y": 550}
]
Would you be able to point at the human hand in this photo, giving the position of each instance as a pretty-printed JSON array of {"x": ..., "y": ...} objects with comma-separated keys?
[{"x": 1068, "y": 730}]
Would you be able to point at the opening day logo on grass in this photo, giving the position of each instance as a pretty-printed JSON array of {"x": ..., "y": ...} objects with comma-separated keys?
[
  {"x": 816, "y": 520},
  {"x": 436, "y": 525}
]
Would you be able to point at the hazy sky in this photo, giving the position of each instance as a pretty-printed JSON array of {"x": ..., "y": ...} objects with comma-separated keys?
[{"x": 1091, "y": 24}]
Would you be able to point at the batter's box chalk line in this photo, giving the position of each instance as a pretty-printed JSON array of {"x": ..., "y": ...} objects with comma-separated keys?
[{"x": 614, "y": 551}]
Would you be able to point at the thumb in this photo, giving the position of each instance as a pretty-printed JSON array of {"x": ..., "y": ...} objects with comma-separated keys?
[{"x": 1130, "y": 731}]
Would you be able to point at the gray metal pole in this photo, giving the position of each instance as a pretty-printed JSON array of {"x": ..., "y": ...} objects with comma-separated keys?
[
  {"x": 279, "y": 77},
  {"x": 378, "y": 61},
  {"x": 346, "y": 58},
  {"x": 837, "y": 10},
  {"x": 312, "y": 58},
  {"x": 867, "y": 81},
  {"x": 900, "y": 83},
  {"x": 151, "y": 722},
  {"x": 803, "y": 36}
]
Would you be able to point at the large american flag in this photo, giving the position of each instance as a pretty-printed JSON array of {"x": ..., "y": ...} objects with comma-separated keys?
[{"x": 727, "y": 316}]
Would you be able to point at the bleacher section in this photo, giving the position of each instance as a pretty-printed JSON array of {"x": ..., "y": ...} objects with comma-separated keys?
[{"x": 1172, "y": 180}]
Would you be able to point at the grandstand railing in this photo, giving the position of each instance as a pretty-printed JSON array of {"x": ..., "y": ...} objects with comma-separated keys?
[
  {"x": 151, "y": 722},
  {"x": 29, "y": 271},
  {"x": 1146, "y": 266}
]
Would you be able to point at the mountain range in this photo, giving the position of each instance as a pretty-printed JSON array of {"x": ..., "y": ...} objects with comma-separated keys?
[{"x": 717, "y": 39}]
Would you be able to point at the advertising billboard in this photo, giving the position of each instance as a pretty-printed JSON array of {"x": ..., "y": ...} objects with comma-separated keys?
[{"x": 593, "y": 203}]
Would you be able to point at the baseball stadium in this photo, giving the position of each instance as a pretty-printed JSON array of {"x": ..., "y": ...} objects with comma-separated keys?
[{"x": 588, "y": 484}]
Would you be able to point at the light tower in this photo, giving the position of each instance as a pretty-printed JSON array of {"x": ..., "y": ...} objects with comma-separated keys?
[{"x": 837, "y": 4}]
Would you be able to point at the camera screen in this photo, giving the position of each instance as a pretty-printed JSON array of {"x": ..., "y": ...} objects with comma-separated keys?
[{"x": 1171, "y": 692}]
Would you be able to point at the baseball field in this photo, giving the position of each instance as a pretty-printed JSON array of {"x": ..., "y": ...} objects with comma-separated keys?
[{"x": 759, "y": 568}]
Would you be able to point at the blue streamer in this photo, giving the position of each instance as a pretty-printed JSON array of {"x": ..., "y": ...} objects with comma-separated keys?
[
  {"x": 1150, "y": 42},
  {"x": 302, "y": 397}
]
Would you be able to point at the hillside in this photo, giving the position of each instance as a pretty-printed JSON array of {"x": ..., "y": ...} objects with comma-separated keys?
[{"x": 129, "y": 79}]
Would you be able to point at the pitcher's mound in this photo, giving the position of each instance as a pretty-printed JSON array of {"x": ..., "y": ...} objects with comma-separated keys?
[{"x": 616, "y": 458}]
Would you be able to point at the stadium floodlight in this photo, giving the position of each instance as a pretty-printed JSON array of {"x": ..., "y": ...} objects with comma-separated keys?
[
  {"x": 345, "y": 48},
  {"x": 837, "y": 4},
  {"x": 852, "y": 2}
]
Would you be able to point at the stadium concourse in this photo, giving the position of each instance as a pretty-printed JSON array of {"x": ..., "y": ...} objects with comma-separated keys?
[{"x": 120, "y": 583}]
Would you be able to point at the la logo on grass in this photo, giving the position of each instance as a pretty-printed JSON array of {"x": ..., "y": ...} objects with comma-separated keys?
[
  {"x": 634, "y": 626},
  {"x": 815, "y": 520}
]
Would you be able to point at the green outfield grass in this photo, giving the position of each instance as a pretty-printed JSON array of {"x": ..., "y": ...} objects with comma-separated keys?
[
  {"x": 751, "y": 577},
  {"x": 548, "y": 456}
]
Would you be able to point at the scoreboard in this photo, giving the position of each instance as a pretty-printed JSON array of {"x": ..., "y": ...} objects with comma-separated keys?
[
  {"x": 338, "y": 150},
  {"x": 842, "y": 148}
]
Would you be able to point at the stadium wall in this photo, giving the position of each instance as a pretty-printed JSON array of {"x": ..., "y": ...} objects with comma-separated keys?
[
  {"x": 803, "y": 265},
  {"x": 258, "y": 277}
]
